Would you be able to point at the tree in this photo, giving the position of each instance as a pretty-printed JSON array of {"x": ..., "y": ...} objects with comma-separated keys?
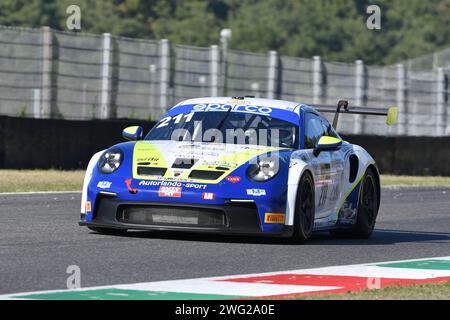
[{"x": 335, "y": 30}]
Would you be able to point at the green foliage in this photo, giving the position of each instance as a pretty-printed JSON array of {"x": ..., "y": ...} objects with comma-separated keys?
[
  {"x": 335, "y": 30},
  {"x": 23, "y": 110}
]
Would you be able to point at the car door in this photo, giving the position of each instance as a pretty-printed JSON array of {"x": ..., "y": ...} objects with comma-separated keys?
[
  {"x": 335, "y": 173},
  {"x": 327, "y": 166},
  {"x": 321, "y": 164}
]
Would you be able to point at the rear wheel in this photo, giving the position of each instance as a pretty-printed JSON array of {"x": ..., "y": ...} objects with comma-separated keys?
[
  {"x": 108, "y": 231},
  {"x": 367, "y": 209},
  {"x": 304, "y": 209}
]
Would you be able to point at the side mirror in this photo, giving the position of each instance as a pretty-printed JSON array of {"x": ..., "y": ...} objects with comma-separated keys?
[
  {"x": 326, "y": 143},
  {"x": 132, "y": 133}
]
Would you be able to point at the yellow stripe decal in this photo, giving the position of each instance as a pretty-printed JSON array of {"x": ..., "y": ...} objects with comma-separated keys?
[{"x": 146, "y": 152}]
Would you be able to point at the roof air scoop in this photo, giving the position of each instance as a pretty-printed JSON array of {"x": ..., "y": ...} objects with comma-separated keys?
[{"x": 183, "y": 163}]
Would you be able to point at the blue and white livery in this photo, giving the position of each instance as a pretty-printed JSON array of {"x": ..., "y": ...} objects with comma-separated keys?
[{"x": 234, "y": 166}]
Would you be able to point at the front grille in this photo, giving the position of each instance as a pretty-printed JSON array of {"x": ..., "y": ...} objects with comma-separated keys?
[
  {"x": 206, "y": 175},
  {"x": 169, "y": 216},
  {"x": 151, "y": 171}
]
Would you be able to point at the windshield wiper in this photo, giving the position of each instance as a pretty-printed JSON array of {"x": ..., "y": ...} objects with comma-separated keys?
[
  {"x": 219, "y": 127},
  {"x": 221, "y": 123}
]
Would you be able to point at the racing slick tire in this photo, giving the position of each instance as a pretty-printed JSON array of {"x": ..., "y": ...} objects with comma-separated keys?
[
  {"x": 304, "y": 209},
  {"x": 108, "y": 231},
  {"x": 367, "y": 209}
]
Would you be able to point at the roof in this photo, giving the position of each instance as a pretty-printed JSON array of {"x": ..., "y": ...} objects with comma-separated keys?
[{"x": 272, "y": 103}]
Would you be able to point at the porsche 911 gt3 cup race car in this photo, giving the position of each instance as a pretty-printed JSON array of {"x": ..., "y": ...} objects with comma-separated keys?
[{"x": 236, "y": 166}]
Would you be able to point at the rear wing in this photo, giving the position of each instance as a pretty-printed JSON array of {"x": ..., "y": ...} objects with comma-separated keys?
[{"x": 342, "y": 107}]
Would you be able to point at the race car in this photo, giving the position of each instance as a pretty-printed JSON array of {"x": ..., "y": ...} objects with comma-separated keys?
[{"x": 236, "y": 165}]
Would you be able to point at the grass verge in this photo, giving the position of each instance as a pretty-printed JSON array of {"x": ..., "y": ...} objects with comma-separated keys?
[
  {"x": 40, "y": 180},
  {"x": 56, "y": 180},
  {"x": 439, "y": 291},
  {"x": 389, "y": 180}
]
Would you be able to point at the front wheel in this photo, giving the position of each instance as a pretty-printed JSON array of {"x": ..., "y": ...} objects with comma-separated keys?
[
  {"x": 367, "y": 209},
  {"x": 367, "y": 206},
  {"x": 304, "y": 209}
]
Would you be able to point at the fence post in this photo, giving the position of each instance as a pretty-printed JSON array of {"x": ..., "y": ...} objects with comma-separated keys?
[
  {"x": 440, "y": 108},
  {"x": 47, "y": 62},
  {"x": 214, "y": 70},
  {"x": 272, "y": 74},
  {"x": 359, "y": 95},
  {"x": 447, "y": 98},
  {"x": 317, "y": 79},
  {"x": 105, "y": 97},
  {"x": 401, "y": 100},
  {"x": 152, "y": 69},
  {"x": 164, "y": 74}
]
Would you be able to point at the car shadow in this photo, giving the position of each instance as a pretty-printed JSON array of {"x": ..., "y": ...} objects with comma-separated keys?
[
  {"x": 379, "y": 237},
  {"x": 383, "y": 237}
]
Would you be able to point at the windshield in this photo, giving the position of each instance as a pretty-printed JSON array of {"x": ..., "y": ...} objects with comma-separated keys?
[{"x": 226, "y": 127}]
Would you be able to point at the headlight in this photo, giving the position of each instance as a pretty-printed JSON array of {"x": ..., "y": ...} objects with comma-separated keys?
[
  {"x": 264, "y": 170},
  {"x": 110, "y": 161}
]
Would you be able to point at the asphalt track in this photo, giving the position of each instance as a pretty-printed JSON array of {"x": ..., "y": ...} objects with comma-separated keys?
[{"x": 40, "y": 238}]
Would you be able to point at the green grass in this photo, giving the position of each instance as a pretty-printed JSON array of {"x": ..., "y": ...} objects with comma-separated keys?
[
  {"x": 421, "y": 292},
  {"x": 389, "y": 180},
  {"x": 55, "y": 180},
  {"x": 40, "y": 180}
]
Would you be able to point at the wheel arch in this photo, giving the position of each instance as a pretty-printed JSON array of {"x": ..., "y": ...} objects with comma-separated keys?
[
  {"x": 295, "y": 176},
  {"x": 87, "y": 179}
]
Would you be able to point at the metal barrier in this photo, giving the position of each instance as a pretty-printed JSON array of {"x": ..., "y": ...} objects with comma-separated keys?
[{"x": 404, "y": 155}]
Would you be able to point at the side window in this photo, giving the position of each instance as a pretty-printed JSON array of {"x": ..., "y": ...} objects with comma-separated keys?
[{"x": 314, "y": 129}]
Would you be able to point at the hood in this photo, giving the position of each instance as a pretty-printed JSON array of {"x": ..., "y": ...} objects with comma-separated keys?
[{"x": 191, "y": 161}]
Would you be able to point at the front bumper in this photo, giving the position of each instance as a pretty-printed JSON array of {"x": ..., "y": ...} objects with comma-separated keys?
[{"x": 229, "y": 218}]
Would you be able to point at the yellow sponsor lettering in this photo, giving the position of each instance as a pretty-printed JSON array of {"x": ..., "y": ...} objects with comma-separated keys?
[
  {"x": 274, "y": 218},
  {"x": 88, "y": 206}
]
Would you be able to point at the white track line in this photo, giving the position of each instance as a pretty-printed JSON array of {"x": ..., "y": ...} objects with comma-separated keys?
[{"x": 211, "y": 285}]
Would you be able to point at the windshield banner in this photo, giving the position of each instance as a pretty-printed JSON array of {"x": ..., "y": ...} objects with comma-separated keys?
[{"x": 286, "y": 115}]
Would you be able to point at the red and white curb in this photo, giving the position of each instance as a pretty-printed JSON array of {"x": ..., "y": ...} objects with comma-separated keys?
[{"x": 336, "y": 279}]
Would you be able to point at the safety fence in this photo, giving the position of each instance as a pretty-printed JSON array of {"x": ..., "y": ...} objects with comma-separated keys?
[{"x": 52, "y": 74}]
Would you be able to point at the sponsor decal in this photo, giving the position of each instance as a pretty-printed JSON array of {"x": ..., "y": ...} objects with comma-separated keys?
[
  {"x": 177, "y": 174},
  {"x": 208, "y": 196},
  {"x": 170, "y": 192},
  {"x": 104, "y": 184},
  {"x": 201, "y": 153},
  {"x": 274, "y": 218},
  {"x": 224, "y": 164},
  {"x": 177, "y": 184},
  {"x": 149, "y": 159},
  {"x": 128, "y": 184},
  {"x": 233, "y": 179},
  {"x": 150, "y": 183},
  {"x": 88, "y": 206},
  {"x": 195, "y": 186},
  {"x": 256, "y": 192},
  {"x": 240, "y": 101}
]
